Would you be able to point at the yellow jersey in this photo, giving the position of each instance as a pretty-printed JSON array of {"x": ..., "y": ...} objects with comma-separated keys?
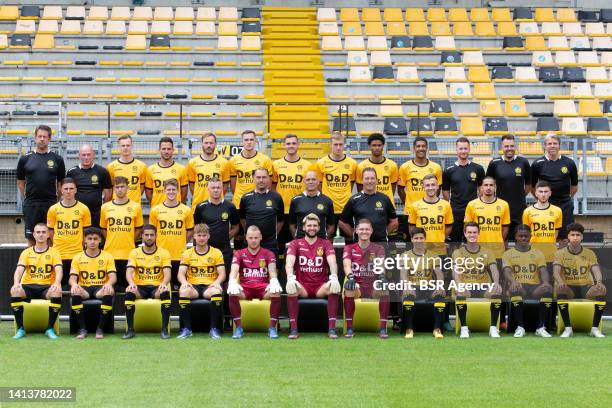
[
  {"x": 39, "y": 266},
  {"x": 421, "y": 267},
  {"x": 473, "y": 267},
  {"x": 337, "y": 179},
  {"x": 202, "y": 268},
  {"x": 490, "y": 217},
  {"x": 136, "y": 173},
  {"x": 149, "y": 268},
  {"x": 120, "y": 222},
  {"x": 433, "y": 218},
  {"x": 289, "y": 178},
  {"x": 243, "y": 168},
  {"x": 411, "y": 177},
  {"x": 525, "y": 265},
  {"x": 68, "y": 224},
  {"x": 172, "y": 225},
  {"x": 200, "y": 171},
  {"x": 576, "y": 268},
  {"x": 544, "y": 224},
  {"x": 156, "y": 175},
  {"x": 93, "y": 271},
  {"x": 386, "y": 173}
]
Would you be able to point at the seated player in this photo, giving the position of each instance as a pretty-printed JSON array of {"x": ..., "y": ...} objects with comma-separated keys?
[
  {"x": 92, "y": 275},
  {"x": 578, "y": 276},
  {"x": 423, "y": 265},
  {"x": 255, "y": 266},
  {"x": 148, "y": 276},
  {"x": 524, "y": 267},
  {"x": 308, "y": 277},
  {"x": 201, "y": 275},
  {"x": 472, "y": 263},
  {"x": 38, "y": 276},
  {"x": 358, "y": 262}
]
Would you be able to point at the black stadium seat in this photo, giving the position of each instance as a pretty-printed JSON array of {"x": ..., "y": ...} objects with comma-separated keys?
[
  {"x": 203, "y": 63},
  {"x": 587, "y": 16},
  {"x": 344, "y": 124},
  {"x": 513, "y": 42},
  {"x": 112, "y": 47},
  {"x": 420, "y": 125},
  {"x": 159, "y": 41},
  {"x": 439, "y": 106},
  {"x": 501, "y": 73},
  {"x": 81, "y": 79},
  {"x": 598, "y": 125},
  {"x": 88, "y": 47},
  {"x": 549, "y": 74},
  {"x": 47, "y": 113},
  {"x": 523, "y": 13},
  {"x": 605, "y": 15},
  {"x": 85, "y": 62},
  {"x": 226, "y": 96},
  {"x": 30, "y": 11},
  {"x": 176, "y": 96},
  {"x": 400, "y": 41},
  {"x": 251, "y": 12},
  {"x": 496, "y": 125},
  {"x": 24, "y": 113},
  {"x": 251, "y": 27},
  {"x": 607, "y": 106},
  {"x": 148, "y": 132},
  {"x": 573, "y": 74},
  {"x": 21, "y": 40},
  {"x": 445, "y": 125},
  {"x": 150, "y": 114},
  {"x": 383, "y": 73},
  {"x": 450, "y": 57},
  {"x": 422, "y": 41},
  {"x": 548, "y": 124},
  {"x": 395, "y": 126}
]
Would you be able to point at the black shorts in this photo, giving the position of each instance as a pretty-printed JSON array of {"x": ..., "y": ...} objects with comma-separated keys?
[
  {"x": 92, "y": 290},
  {"x": 425, "y": 295},
  {"x": 34, "y": 213},
  {"x": 200, "y": 289},
  {"x": 35, "y": 291},
  {"x": 579, "y": 291},
  {"x": 147, "y": 291},
  {"x": 271, "y": 245}
]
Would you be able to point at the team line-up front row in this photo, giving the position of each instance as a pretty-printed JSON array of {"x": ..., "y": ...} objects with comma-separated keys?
[{"x": 311, "y": 270}]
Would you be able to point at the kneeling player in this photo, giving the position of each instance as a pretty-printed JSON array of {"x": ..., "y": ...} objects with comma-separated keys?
[
  {"x": 148, "y": 276},
  {"x": 92, "y": 275},
  {"x": 578, "y": 276},
  {"x": 315, "y": 256},
  {"x": 358, "y": 262},
  {"x": 201, "y": 275},
  {"x": 422, "y": 267},
  {"x": 38, "y": 276},
  {"x": 474, "y": 264},
  {"x": 525, "y": 270},
  {"x": 255, "y": 266}
]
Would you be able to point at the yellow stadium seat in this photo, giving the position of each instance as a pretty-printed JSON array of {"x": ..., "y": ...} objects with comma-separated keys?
[
  {"x": 9, "y": 12},
  {"x": 98, "y": 13},
  {"x": 391, "y": 107},
  {"x": 52, "y": 13},
  {"x": 377, "y": 43},
  {"x": 573, "y": 126},
  {"x": 566, "y": 15},
  {"x": 515, "y": 108},
  {"x": 142, "y": 13},
  {"x": 48, "y": 27},
  {"x": 326, "y": 14},
  {"x": 500, "y": 14},
  {"x": 36, "y": 316},
  {"x": 332, "y": 43},
  {"x": 490, "y": 108},
  {"x": 360, "y": 74},
  {"x": 418, "y": 28},
  {"x": 255, "y": 315},
  {"x": 444, "y": 42},
  {"x": 227, "y": 43},
  {"x": 436, "y": 14},
  {"x": 415, "y": 14},
  {"x": 396, "y": 28},
  {"x": 147, "y": 316},
  {"x": 349, "y": 14},
  {"x": 454, "y": 74},
  {"x": 485, "y": 29},
  {"x": 115, "y": 27},
  {"x": 551, "y": 28},
  {"x": 457, "y": 14},
  {"x": 205, "y": 28},
  {"x": 182, "y": 28},
  {"x": 75, "y": 12},
  {"x": 460, "y": 90},
  {"x": 228, "y": 28},
  {"x": 136, "y": 42},
  {"x": 479, "y": 14},
  {"x": 440, "y": 28},
  {"x": 160, "y": 27},
  {"x": 43, "y": 41},
  {"x": 3, "y": 41},
  {"x": 393, "y": 15},
  {"x": 250, "y": 43},
  {"x": 93, "y": 27},
  {"x": 366, "y": 317},
  {"x": 374, "y": 28},
  {"x": 407, "y": 74},
  {"x": 163, "y": 14},
  {"x": 506, "y": 29},
  {"x": 581, "y": 316},
  {"x": 463, "y": 28},
  {"x": 206, "y": 14},
  {"x": 471, "y": 126},
  {"x": 370, "y": 14},
  {"x": 121, "y": 13},
  {"x": 535, "y": 43},
  {"x": 478, "y": 73},
  {"x": 25, "y": 27},
  {"x": 351, "y": 28},
  {"x": 436, "y": 90},
  {"x": 544, "y": 14},
  {"x": 589, "y": 108},
  {"x": 484, "y": 91}
]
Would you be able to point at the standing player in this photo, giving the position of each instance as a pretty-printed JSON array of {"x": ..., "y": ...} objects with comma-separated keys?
[
  {"x": 473, "y": 263},
  {"x": 121, "y": 222},
  {"x": 411, "y": 173},
  {"x": 315, "y": 202},
  {"x": 358, "y": 262},
  {"x": 460, "y": 184},
  {"x": 92, "y": 275},
  {"x": 525, "y": 269},
  {"x": 370, "y": 204},
  {"x": 201, "y": 275},
  {"x": 432, "y": 214},
  {"x": 263, "y": 208},
  {"x": 210, "y": 164},
  {"x": 39, "y": 174},
  {"x": 174, "y": 221},
  {"x": 492, "y": 214},
  {"x": 545, "y": 221},
  {"x": 255, "y": 266},
  {"x": 422, "y": 266},
  {"x": 221, "y": 217},
  {"x": 148, "y": 276},
  {"x": 307, "y": 262},
  {"x": 562, "y": 175},
  {"x": 134, "y": 170},
  {"x": 66, "y": 221},
  {"x": 512, "y": 176},
  {"x": 163, "y": 170},
  {"x": 242, "y": 167},
  {"x": 578, "y": 276},
  {"x": 38, "y": 276},
  {"x": 94, "y": 186},
  {"x": 386, "y": 169},
  {"x": 337, "y": 174}
]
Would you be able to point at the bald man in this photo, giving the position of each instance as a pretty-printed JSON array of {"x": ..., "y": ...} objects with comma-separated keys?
[{"x": 94, "y": 185}]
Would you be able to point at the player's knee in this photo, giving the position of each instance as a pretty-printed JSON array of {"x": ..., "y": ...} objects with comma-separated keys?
[
  {"x": 184, "y": 292},
  {"x": 54, "y": 293},
  {"x": 17, "y": 292}
]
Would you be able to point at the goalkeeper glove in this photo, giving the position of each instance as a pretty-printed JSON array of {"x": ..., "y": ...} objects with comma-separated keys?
[
  {"x": 334, "y": 285},
  {"x": 291, "y": 286},
  {"x": 350, "y": 283},
  {"x": 274, "y": 286},
  {"x": 233, "y": 287}
]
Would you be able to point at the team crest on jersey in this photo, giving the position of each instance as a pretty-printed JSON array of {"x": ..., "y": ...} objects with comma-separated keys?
[
  {"x": 564, "y": 170},
  {"x": 224, "y": 216},
  {"x": 473, "y": 176},
  {"x": 320, "y": 251},
  {"x": 372, "y": 255},
  {"x": 217, "y": 165},
  {"x": 47, "y": 257},
  {"x": 439, "y": 208},
  {"x": 262, "y": 263},
  {"x": 498, "y": 208},
  {"x": 268, "y": 203},
  {"x": 173, "y": 171},
  {"x": 386, "y": 168},
  {"x": 346, "y": 166},
  {"x": 134, "y": 168},
  {"x": 257, "y": 162},
  {"x": 320, "y": 207},
  {"x": 518, "y": 170},
  {"x": 180, "y": 212},
  {"x": 94, "y": 179},
  {"x": 378, "y": 204},
  {"x": 430, "y": 170},
  {"x": 50, "y": 163},
  {"x": 129, "y": 209},
  {"x": 100, "y": 262},
  {"x": 299, "y": 167},
  {"x": 156, "y": 258},
  {"x": 76, "y": 212},
  {"x": 209, "y": 260}
]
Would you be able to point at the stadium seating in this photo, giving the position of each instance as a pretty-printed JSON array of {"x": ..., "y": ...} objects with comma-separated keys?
[
  {"x": 36, "y": 316},
  {"x": 478, "y": 316},
  {"x": 147, "y": 317},
  {"x": 581, "y": 316},
  {"x": 91, "y": 309},
  {"x": 366, "y": 317},
  {"x": 255, "y": 315}
]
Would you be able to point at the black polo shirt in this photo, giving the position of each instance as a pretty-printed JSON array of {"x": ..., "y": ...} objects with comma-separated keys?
[
  {"x": 90, "y": 184},
  {"x": 511, "y": 178},
  {"x": 376, "y": 207},
  {"x": 41, "y": 172},
  {"x": 219, "y": 218},
  {"x": 561, "y": 174},
  {"x": 303, "y": 204},
  {"x": 463, "y": 183},
  {"x": 263, "y": 210}
]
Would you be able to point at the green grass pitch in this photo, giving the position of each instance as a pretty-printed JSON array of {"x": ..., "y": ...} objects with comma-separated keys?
[{"x": 314, "y": 371}]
